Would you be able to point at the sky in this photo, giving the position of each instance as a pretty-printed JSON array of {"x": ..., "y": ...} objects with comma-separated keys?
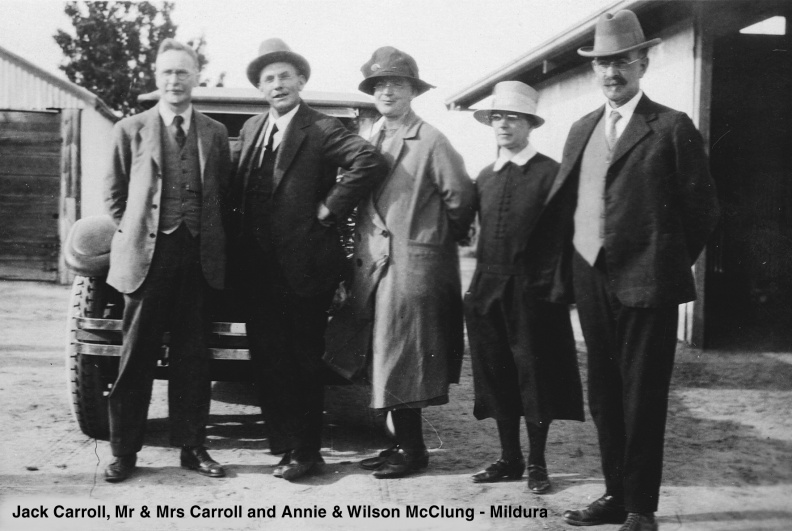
[{"x": 455, "y": 42}]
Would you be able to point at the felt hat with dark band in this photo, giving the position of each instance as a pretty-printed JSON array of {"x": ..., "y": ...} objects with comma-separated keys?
[
  {"x": 617, "y": 34},
  {"x": 276, "y": 51}
]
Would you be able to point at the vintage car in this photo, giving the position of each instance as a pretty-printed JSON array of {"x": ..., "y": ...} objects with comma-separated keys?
[{"x": 94, "y": 342}]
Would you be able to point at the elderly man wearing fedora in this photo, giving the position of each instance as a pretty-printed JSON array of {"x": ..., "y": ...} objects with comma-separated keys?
[
  {"x": 521, "y": 340},
  {"x": 406, "y": 290},
  {"x": 636, "y": 175},
  {"x": 289, "y": 202}
]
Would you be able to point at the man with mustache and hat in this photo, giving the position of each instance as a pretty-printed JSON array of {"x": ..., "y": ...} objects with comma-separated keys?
[
  {"x": 521, "y": 342},
  {"x": 289, "y": 203},
  {"x": 635, "y": 180}
]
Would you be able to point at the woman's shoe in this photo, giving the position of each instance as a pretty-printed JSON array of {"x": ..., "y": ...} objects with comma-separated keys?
[
  {"x": 402, "y": 463},
  {"x": 500, "y": 469},
  {"x": 538, "y": 482}
]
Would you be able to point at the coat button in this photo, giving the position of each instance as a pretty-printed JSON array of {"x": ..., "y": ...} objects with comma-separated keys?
[
  {"x": 385, "y": 234},
  {"x": 359, "y": 262},
  {"x": 154, "y": 207},
  {"x": 152, "y": 235}
]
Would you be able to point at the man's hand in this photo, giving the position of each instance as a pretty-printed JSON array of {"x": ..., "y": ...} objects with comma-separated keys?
[{"x": 324, "y": 215}]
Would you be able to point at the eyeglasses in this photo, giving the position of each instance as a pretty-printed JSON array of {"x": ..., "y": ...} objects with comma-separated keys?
[
  {"x": 181, "y": 75},
  {"x": 511, "y": 119},
  {"x": 379, "y": 86},
  {"x": 619, "y": 64}
]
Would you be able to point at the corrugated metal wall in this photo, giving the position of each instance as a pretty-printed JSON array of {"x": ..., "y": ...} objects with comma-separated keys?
[{"x": 22, "y": 89}]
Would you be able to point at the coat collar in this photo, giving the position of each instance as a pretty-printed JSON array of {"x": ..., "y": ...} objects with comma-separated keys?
[
  {"x": 292, "y": 140},
  {"x": 151, "y": 134},
  {"x": 638, "y": 128}
]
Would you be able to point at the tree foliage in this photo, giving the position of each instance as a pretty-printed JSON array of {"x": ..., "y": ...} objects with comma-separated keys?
[{"x": 113, "y": 48}]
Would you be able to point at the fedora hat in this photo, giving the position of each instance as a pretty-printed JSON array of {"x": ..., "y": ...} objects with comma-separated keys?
[
  {"x": 388, "y": 61},
  {"x": 512, "y": 96},
  {"x": 615, "y": 34},
  {"x": 276, "y": 51}
]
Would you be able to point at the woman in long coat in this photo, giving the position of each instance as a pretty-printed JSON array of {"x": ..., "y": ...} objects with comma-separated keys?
[
  {"x": 406, "y": 289},
  {"x": 521, "y": 342}
]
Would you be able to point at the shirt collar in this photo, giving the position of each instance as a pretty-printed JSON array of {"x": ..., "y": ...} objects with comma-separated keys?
[
  {"x": 283, "y": 121},
  {"x": 519, "y": 159},
  {"x": 168, "y": 115},
  {"x": 626, "y": 111}
]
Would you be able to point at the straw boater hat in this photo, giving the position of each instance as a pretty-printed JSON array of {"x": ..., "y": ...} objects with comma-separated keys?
[
  {"x": 276, "y": 51},
  {"x": 388, "y": 61},
  {"x": 512, "y": 96},
  {"x": 615, "y": 34}
]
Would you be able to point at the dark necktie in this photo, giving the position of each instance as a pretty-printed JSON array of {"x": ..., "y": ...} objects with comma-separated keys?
[
  {"x": 181, "y": 137},
  {"x": 272, "y": 138}
]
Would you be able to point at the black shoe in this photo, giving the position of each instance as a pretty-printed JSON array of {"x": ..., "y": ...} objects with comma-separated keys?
[
  {"x": 279, "y": 468},
  {"x": 500, "y": 469},
  {"x": 605, "y": 510},
  {"x": 538, "y": 482},
  {"x": 197, "y": 458},
  {"x": 373, "y": 463},
  {"x": 402, "y": 463},
  {"x": 301, "y": 465},
  {"x": 640, "y": 522},
  {"x": 120, "y": 469}
]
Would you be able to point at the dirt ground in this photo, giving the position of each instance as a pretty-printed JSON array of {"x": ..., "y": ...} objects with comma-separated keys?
[{"x": 728, "y": 459}]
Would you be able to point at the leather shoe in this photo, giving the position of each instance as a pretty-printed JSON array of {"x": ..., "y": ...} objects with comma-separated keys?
[
  {"x": 538, "y": 482},
  {"x": 639, "y": 522},
  {"x": 197, "y": 458},
  {"x": 373, "y": 463},
  {"x": 500, "y": 469},
  {"x": 285, "y": 460},
  {"x": 121, "y": 467},
  {"x": 299, "y": 466},
  {"x": 402, "y": 463},
  {"x": 605, "y": 510}
]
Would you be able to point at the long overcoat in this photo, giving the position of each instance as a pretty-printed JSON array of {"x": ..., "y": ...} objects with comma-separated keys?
[{"x": 406, "y": 307}]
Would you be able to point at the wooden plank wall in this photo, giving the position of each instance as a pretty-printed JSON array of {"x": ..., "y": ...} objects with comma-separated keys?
[{"x": 30, "y": 191}]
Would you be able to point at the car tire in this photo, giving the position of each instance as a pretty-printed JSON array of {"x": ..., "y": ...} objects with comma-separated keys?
[{"x": 91, "y": 377}]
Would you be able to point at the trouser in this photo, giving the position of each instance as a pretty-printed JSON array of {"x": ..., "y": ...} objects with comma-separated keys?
[
  {"x": 171, "y": 298},
  {"x": 630, "y": 361},
  {"x": 286, "y": 336}
]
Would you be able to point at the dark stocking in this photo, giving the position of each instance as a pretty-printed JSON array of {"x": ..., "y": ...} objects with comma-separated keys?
[
  {"x": 537, "y": 437},
  {"x": 509, "y": 433},
  {"x": 407, "y": 425}
]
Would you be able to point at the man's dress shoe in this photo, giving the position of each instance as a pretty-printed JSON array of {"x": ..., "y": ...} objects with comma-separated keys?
[
  {"x": 285, "y": 460},
  {"x": 301, "y": 465},
  {"x": 121, "y": 467},
  {"x": 538, "y": 482},
  {"x": 605, "y": 510},
  {"x": 402, "y": 463},
  {"x": 197, "y": 458},
  {"x": 500, "y": 469},
  {"x": 639, "y": 522},
  {"x": 373, "y": 463}
]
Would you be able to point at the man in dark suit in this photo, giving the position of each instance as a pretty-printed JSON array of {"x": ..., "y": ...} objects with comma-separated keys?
[
  {"x": 288, "y": 199},
  {"x": 164, "y": 187},
  {"x": 645, "y": 206}
]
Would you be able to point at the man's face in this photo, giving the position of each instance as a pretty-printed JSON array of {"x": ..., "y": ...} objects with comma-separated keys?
[
  {"x": 511, "y": 129},
  {"x": 281, "y": 85},
  {"x": 177, "y": 76},
  {"x": 393, "y": 96},
  {"x": 620, "y": 75}
]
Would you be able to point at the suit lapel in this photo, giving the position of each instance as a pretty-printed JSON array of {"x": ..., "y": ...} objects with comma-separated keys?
[
  {"x": 290, "y": 145},
  {"x": 246, "y": 162},
  {"x": 578, "y": 138},
  {"x": 204, "y": 139},
  {"x": 151, "y": 134},
  {"x": 636, "y": 129}
]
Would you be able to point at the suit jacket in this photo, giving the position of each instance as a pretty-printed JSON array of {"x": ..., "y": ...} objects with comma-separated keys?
[
  {"x": 133, "y": 186},
  {"x": 313, "y": 147},
  {"x": 660, "y": 203}
]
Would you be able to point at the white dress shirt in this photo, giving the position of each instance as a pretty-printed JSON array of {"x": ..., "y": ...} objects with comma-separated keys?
[
  {"x": 168, "y": 115},
  {"x": 625, "y": 111}
]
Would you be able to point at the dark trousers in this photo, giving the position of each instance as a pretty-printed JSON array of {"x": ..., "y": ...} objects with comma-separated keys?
[
  {"x": 630, "y": 361},
  {"x": 286, "y": 336},
  {"x": 171, "y": 298}
]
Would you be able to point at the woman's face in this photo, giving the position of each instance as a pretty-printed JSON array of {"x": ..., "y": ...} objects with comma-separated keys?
[{"x": 393, "y": 96}]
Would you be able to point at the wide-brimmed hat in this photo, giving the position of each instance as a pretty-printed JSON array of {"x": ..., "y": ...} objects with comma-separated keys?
[
  {"x": 615, "y": 34},
  {"x": 276, "y": 51},
  {"x": 512, "y": 96},
  {"x": 388, "y": 61}
]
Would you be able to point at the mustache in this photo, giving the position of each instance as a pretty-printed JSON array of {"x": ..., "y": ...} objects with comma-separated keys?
[{"x": 616, "y": 79}]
